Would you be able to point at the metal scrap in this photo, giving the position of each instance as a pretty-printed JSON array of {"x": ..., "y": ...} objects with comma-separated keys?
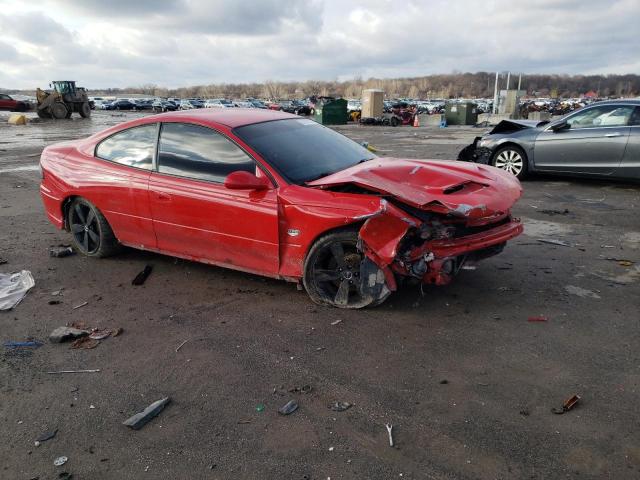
[
  {"x": 139, "y": 420},
  {"x": 568, "y": 404}
]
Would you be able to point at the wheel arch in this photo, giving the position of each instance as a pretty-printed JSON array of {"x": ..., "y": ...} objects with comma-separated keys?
[{"x": 510, "y": 143}]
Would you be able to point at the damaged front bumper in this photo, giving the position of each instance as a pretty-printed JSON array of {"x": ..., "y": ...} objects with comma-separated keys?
[
  {"x": 392, "y": 242},
  {"x": 474, "y": 153}
]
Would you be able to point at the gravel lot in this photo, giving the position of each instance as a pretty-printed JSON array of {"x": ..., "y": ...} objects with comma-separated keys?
[{"x": 467, "y": 381}]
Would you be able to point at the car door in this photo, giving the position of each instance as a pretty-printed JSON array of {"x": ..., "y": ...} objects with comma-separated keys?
[
  {"x": 593, "y": 141},
  {"x": 196, "y": 216},
  {"x": 6, "y": 103},
  {"x": 630, "y": 163},
  {"x": 119, "y": 183}
]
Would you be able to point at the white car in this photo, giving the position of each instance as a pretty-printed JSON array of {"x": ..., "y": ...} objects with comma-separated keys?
[{"x": 218, "y": 103}]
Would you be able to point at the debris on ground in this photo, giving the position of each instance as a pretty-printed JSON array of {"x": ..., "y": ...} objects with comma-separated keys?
[
  {"x": 390, "y": 432},
  {"x": 621, "y": 261},
  {"x": 548, "y": 211},
  {"x": 444, "y": 381},
  {"x": 47, "y": 436},
  {"x": 581, "y": 292},
  {"x": 61, "y": 251},
  {"x": 287, "y": 409},
  {"x": 525, "y": 412},
  {"x": 3, "y": 261},
  {"x": 143, "y": 275},
  {"x": 100, "y": 333},
  {"x": 336, "y": 322},
  {"x": 340, "y": 406},
  {"x": 539, "y": 318},
  {"x": 554, "y": 241},
  {"x": 139, "y": 420},
  {"x": 58, "y": 462},
  {"x": 181, "y": 345},
  {"x": 568, "y": 404},
  {"x": 13, "y": 288},
  {"x": 95, "y": 370},
  {"x": 54, "y": 302},
  {"x": 302, "y": 389},
  {"x": 27, "y": 344},
  {"x": 260, "y": 408},
  {"x": 85, "y": 343},
  {"x": 80, "y": 305},
  {"x": 62, "y": 334}
]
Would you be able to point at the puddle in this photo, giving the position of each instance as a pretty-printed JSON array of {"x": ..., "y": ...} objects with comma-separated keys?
[
  {"x": 537, "y": 228},
  {"x": 581, "y": 292},
  {"x": 24, "y": 168},
  {"x": 631, "y": 240}
]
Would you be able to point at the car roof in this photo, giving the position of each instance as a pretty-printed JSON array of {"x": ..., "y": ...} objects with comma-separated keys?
[
  {"x": 231, "y": 117},
  {"x": 625, "y": 101}
]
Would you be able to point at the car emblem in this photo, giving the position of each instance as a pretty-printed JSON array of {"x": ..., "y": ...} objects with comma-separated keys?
[{"x": 293, "y": 232}]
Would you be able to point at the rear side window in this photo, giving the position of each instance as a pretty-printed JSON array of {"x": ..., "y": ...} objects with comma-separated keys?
[
  {"x": 198, "y": 152},
  {"x": 133, "y": 147}
]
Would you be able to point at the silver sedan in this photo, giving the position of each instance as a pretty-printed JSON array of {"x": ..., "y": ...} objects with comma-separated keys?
[{"x": 602, "y": 139}]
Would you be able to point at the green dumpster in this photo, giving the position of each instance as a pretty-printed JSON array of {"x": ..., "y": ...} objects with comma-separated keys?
[
  {"x": 464, "y": 113},
  {"x": 331, "y": 112}
]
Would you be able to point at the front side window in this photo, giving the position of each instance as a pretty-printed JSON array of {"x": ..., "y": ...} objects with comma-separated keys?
[
  {"x": 302, "y": 150},
  {"x": 133, "y": 147},
  {"x": 200, "y": 153},
  {"x": 602, "y": 116}
]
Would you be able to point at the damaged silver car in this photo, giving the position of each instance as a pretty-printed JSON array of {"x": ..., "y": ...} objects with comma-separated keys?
[{"x": 599, "y": 140}]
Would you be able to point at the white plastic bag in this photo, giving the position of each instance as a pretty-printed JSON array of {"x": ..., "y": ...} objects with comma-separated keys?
[{"x": 13, "y": 288}]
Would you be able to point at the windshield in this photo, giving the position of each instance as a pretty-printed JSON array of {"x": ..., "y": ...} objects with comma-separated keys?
[{"x": 302, "y": 150}]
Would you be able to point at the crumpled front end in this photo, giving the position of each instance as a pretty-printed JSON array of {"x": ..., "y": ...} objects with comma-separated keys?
[{"x": 432, "y": 246}]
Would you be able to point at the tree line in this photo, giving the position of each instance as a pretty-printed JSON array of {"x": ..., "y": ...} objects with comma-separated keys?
[{"x": 445, "y": 86}]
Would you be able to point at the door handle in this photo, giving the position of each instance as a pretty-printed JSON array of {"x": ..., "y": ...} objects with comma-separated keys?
[
  {"x": 163, "y": 197},
  {"x": 613, "y": 135}
]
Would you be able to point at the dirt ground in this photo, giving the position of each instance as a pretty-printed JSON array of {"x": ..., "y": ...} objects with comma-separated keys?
[{"x": 465, "y": 379}]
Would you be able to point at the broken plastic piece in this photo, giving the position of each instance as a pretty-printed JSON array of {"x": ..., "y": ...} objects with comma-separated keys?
[
  {"x": 28, "y": 344},
  {"x": 61, "y": 251},
  {"x": 568, "y": 404},
  {"x": 288, "y": 408},
  {"x": 62, "y": 334},
  {"x": 13, "y": 288},
  {"x": 47, "y": 436},
  {"x": 553, "y": 241},
  {"x": 340, "y": 406},
  {"x": 142, "y": 276},
  {"x": 60, "y": 461},
  {"x": 139, "y": 420},
  {"x": 85, "y": 343}
]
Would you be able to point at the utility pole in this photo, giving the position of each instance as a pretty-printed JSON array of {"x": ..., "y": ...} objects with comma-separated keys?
[
  {"x": 519, "y": 81},
  {"x": 495, "y": 95},
  {"x": 508, "y": 79}
]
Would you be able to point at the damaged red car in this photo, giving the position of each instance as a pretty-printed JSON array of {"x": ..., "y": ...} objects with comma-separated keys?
[{"x": 277, "y": 195}]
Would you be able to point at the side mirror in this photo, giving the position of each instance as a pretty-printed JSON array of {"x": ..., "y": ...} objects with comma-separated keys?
[
  {"x": 562, "y": 125},
  {"x": 242, "y": 180}
]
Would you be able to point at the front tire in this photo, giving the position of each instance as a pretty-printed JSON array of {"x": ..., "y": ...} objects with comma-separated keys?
[
  {"x": 332, "y": 272},
  {"x": 511, "y": 159},
  {"x": 59, "y": 110},
  {"x": 92, "y": 234}
]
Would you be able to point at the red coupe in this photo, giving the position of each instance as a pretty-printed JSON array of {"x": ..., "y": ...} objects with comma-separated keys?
[{"x": 277, "y": 195}]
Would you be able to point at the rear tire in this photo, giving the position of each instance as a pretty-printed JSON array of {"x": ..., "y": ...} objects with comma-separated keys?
[
  {"x": 92, "y": 234},
  {"x": 332, "y": 272},
  {"x": 512, "y": 159},
  {"x": 394, "y": 121}
]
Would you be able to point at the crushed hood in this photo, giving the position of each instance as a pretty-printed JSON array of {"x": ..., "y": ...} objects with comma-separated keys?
[
  {"x": 509, "y": 126},
  {"x": 449, "y": 187}
]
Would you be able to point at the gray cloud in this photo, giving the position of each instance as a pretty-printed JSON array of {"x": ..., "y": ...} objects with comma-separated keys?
[{"x": 182, "y": 42}]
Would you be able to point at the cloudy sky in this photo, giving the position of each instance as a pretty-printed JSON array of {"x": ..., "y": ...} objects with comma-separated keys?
[{"x": 173, "y": 43}]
